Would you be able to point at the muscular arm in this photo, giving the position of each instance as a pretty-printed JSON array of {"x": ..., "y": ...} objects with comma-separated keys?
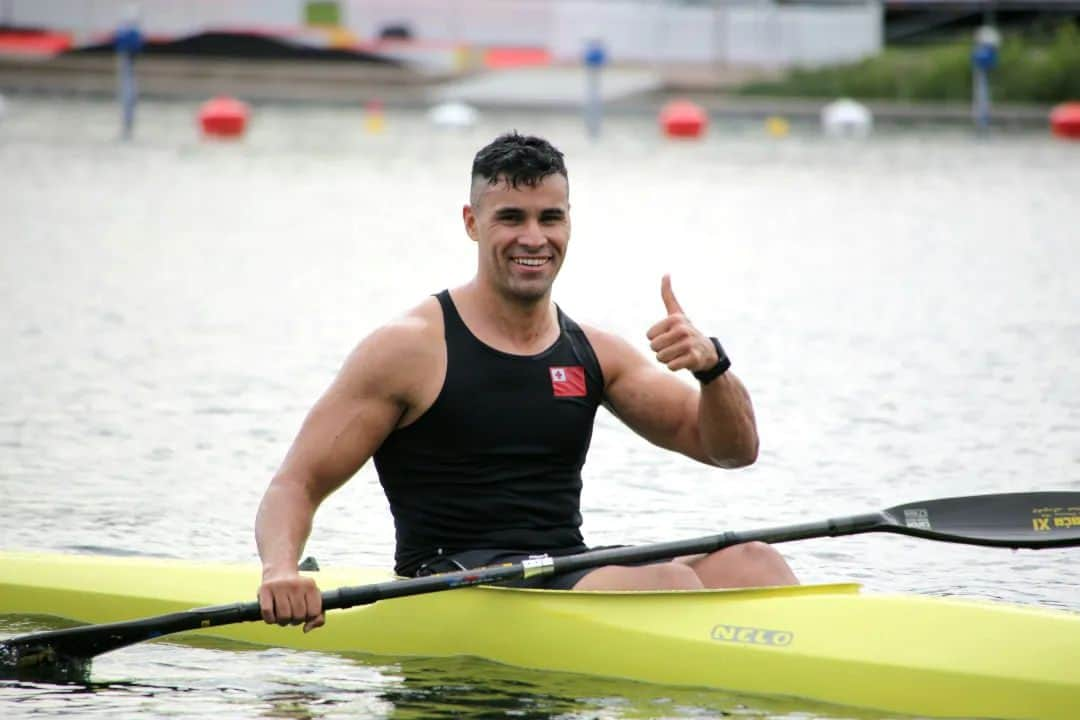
[
  {"x": 361, "y": 407},
  {"x": 727, "y": 425},
  {"x": 714, "y": 424}
]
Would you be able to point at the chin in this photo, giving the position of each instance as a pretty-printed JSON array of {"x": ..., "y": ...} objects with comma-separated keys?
[{"x": 527, "y": 292}]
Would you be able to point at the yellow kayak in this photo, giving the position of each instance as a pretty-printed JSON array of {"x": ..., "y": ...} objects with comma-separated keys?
[{"x": 900, "y": 653}]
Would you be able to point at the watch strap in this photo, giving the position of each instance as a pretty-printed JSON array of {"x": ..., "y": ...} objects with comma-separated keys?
[{"x": 723, "y": 363}]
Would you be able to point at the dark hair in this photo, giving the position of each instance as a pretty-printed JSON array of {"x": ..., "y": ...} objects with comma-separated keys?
[{"x": 519, "y": 159}]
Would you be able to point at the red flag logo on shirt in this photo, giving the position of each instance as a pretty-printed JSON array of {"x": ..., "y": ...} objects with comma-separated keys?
[{"x": 568, "y": 381}]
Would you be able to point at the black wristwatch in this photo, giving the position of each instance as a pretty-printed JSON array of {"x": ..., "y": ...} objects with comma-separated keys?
[{"x": 722, "y": 364}]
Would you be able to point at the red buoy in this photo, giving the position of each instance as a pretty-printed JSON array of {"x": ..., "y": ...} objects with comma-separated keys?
[
  {"x": 1065, "y": 120},
  {"x": 682, "y": 118},
  {"x": 223, "y": 117}
]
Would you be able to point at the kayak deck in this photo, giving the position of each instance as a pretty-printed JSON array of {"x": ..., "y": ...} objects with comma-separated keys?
[{"x": 909, "y": 654}]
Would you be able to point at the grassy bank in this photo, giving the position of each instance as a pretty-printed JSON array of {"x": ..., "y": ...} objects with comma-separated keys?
[{"x": 1028, "y": 71}]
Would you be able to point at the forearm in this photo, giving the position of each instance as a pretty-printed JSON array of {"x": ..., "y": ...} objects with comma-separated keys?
[
  {"x": 726, "y": 425},
  {"x": 282, "y": 525}
]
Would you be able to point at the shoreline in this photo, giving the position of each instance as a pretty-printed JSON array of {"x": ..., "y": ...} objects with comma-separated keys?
[{"x": 404, "y": 86}]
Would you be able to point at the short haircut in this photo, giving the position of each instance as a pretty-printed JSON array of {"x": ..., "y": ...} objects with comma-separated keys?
[{"x": 517, "y": 159}]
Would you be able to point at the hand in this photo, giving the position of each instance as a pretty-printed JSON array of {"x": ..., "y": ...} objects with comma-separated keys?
[
  {"x": 675, "y": 340},
  {"x": 290, "y": 599}
]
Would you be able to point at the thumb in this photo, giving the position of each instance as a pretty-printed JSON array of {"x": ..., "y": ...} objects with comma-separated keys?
[{"x": 670, "y": 303}]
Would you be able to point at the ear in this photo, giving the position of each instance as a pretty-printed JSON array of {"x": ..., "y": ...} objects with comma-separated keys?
[{"x": 469, "y": 217}]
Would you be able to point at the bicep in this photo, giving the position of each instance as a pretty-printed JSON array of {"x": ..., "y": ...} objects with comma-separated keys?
[
  {"x": 651, "y": 400},
  {"x": 337, "y": 437},
  {"x": 348, "y": 423}
]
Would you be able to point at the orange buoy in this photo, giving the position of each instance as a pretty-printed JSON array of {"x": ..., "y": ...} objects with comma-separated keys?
[
  {"x": 684, "y": 119},
  {"x": 223, "y": 117},
  {"x": 1065, "y": 120}
]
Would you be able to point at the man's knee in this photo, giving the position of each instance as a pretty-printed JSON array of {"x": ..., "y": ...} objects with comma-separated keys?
[
  {"x": 674, "y": 576},
  {"x": 745, "y": 565},
  {"x": 754, "y": 553}
]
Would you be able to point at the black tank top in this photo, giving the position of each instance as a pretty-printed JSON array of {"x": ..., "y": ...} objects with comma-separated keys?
[{"x": 496, "y": 461}]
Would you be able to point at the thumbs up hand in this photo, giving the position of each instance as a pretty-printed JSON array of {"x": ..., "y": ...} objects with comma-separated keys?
[{"x": 675, "y": 340}]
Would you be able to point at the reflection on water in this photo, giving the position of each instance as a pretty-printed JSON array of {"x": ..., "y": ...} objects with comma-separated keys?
[
  {"x": 242, "y": 681},
  {"x": 904, "y": 312},
  {"x": 467, "y": 687}
]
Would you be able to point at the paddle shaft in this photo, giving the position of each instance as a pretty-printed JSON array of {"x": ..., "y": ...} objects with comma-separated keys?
[
  {"x": 91, "y": 640},
  {"x": 544, "y": 565},
  {"x": 1017, "y": 520}
]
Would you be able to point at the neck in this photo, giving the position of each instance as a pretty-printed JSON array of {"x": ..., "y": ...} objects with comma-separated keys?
[{"x": 524, "y": 326}]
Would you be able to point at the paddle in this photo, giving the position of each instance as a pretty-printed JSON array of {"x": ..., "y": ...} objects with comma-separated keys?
[{"x": 1015, "y": 520}]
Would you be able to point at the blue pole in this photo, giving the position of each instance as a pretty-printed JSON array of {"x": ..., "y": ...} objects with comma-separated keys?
[
  {"x": 128, "y": 93},
  {"x": 128, "y": 42},
  {"x": 595, "y": 58},
  {"x": 984, "y": 58}
]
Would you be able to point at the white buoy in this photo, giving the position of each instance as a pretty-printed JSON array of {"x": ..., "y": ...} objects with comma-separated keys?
[
  {"x": 453, "y": 115},
  {"x": 847, "y": 118}
]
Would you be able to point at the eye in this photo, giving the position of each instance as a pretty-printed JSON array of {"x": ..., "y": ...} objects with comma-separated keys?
[
  {"x": 509, "y": 217},
  {"x": 552, "y": 217}
]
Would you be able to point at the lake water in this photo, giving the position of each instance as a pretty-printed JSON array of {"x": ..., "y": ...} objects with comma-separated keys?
[{"x": 905, "y": 312}]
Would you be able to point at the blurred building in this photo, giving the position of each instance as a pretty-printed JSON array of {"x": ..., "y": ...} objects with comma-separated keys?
[{"x": 770, "y": 33}]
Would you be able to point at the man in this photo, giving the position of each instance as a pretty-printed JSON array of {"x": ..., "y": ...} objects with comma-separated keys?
[{"x": 478, "y": 407}]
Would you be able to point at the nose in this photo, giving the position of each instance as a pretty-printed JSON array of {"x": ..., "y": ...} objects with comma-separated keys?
[{"x": 532, "y": 236}]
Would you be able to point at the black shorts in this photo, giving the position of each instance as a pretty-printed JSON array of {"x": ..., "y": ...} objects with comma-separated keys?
[{"x": 470, "y": 559}]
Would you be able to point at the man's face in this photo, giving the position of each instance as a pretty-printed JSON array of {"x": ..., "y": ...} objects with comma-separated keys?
[{"x": 521, "y": 234}]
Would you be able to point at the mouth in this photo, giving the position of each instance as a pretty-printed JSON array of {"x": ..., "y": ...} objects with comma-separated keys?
[{"x": 531, "y": 262}]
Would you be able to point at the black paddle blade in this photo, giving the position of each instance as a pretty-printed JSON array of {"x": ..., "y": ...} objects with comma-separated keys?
[
  {"x": 1017, "y": 520},
  {"x": 40, "y": 662},
  {"x": 64, "y": 655}
]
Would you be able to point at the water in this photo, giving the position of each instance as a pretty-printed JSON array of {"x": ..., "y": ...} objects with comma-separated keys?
[{"x": 904, "y": 312}]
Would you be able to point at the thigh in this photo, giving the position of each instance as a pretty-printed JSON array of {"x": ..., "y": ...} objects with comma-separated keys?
[{"x": 651, "y": 576}]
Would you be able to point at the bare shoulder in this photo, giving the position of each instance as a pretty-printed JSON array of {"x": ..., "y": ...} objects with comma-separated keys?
[
  {"x": 643, "y": 393},
  {"x": 392, "y": 358},
  {"x": 411, "y": 332},
  {"x": 614, "y": 353}
]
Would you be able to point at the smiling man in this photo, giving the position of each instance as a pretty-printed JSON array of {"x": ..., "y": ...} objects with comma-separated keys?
[{"x": 478, "y": 406}]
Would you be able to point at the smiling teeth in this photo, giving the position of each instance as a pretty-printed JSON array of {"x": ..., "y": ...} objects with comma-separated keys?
[{"x": 531, "y": 262}]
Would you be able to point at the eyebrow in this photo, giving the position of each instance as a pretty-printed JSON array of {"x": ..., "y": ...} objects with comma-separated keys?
[{"x": 514, "y": 211}]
